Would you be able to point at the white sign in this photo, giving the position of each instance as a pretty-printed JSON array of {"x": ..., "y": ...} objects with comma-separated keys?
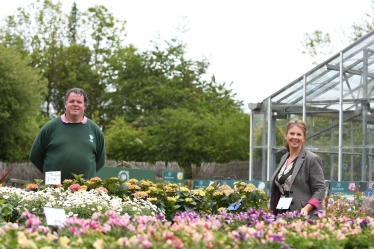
[
  {"x": 53, "y": 177},
  {"x": 284, "y": 203},
  {"x": 55, "y": 216}
]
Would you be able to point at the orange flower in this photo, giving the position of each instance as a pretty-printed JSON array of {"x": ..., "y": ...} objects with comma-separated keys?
[
  {"x": 140, "y": 194},
  {"x": 32, "y": 186}
]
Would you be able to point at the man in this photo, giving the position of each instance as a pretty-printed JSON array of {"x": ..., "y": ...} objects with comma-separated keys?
[{"x": 71, "y": 143}]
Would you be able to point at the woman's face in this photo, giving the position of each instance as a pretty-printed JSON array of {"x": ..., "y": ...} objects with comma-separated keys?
[{"x": 295, "y": 137}]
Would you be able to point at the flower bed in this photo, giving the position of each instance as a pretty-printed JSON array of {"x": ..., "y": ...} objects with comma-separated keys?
[
  {"x": 140, "y": 214},
  {"x": 82, "y": 197},
  {"x": 251, "y": 229}
]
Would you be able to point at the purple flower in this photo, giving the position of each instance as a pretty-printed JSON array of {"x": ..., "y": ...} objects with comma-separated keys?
[
  {"x": 364, "y": 223},
  {"x": 277, "y": 238},
  {"x": 258, "y": 234},
  {"x": 240, "y": 235}
]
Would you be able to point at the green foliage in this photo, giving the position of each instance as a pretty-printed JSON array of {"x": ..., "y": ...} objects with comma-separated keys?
[
  {"x": 21, "y": 91},
  {"x": 160, "y": 109},
  {"x": 124, "y": 142},
  {"x": 6, "y": 211}
]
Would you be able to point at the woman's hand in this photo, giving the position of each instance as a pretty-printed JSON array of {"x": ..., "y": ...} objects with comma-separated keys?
[{"x": 305, "y": 210}]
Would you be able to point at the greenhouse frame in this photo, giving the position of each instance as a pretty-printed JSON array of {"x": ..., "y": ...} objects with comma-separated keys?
[{"x": 335, "y": 100}]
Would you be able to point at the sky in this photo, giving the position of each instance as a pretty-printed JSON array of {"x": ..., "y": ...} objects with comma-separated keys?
[{"x": 254, "y": 45}]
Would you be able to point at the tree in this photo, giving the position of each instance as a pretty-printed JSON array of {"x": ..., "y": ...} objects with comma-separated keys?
[
  {"x": 50, "y": 36},
  {"x": 359, "y": 29},
  {"x": 143, "y": 84},
  {"x": 317, "y": 45},
  {"x": 183, "y": 136},
  {"x": 124, "y": 142},
  {"x": 22, "y": 90},
  {"x": 166, "y": 104}
]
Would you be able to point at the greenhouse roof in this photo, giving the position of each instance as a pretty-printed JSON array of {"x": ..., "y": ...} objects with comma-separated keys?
[{"x": 323, "y": 83}]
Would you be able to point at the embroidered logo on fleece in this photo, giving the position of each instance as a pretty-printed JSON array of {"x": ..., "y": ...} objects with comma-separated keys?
[{"x": 91, "y": 138}]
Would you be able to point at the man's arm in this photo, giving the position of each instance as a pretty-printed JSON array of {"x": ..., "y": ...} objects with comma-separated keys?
[{"x": 101, "y": 153}]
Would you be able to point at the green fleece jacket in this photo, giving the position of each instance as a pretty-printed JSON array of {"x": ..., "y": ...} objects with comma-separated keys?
[{"x": 77, "y": 148}]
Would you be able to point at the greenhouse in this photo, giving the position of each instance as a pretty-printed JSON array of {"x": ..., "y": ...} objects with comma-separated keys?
[{"x": 335, "y": 100}]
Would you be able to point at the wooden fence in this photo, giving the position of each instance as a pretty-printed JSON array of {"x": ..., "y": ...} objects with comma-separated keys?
[{"x": 24, "y": 173}]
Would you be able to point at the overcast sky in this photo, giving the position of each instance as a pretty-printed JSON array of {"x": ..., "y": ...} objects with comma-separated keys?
[{"x": 253, "y": 43}]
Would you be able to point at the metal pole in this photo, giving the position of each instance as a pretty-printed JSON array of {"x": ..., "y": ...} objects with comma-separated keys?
[
  {"x": 364, "y": 114},
  {"x": 340, "y": 157},
  {"x": 250, "y": 145},
  {"x": 269, "y": 139},
  {"x": 304, "y": 99}
]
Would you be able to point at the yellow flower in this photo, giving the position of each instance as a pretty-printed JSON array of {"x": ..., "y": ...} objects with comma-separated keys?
[
  {"x": 64, "y": 241},
  {"x": 224, "y": 187},
  {"x": 184, "y": 189},
  {"x": 99, "y": 244},
  {"x": 24, "y": 242},
  {"x": 152, "y": 189},
  {"x": 250, "y": 188},
  {"x": 84, "y": 187},
  {"x": 222, "y": 210},
  {"x": 199, "y": 192},
  {"x": 188, "y": 199},
  {"x": 146, "y": 183},
  {"x": 136, "y": 187},
  {"x": 209, "y": 188},
  {"x": 133, "y": 181},
  {"x": 153, "y": 199},
  {"x": 172, "y": 199},
  {"x": 169, "y": 189},
  {"x": 217, "y": 193},
  {"x": 228, "y": 192},
  {"x": 77, "y": 242}
]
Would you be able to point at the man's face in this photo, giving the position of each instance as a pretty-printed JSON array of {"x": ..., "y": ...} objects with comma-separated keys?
[{"x": 75, "y": 106}]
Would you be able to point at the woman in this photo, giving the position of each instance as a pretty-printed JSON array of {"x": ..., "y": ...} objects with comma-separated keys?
[{"x": 299, "y": 175}]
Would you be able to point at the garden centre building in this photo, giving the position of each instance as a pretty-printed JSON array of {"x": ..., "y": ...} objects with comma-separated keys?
[{"x": 335, "y": 99}]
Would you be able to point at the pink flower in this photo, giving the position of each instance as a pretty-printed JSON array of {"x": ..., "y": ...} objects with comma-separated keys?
[
  {"x": 352, "y": 186},
  {"x": 75, "y": 187},
  {"x": 140, "y": 194},
  {"x": 102, "y": 189}
]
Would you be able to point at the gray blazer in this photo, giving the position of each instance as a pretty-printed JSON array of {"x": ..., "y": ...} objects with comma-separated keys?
[{"x": 307, "y": 183}]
